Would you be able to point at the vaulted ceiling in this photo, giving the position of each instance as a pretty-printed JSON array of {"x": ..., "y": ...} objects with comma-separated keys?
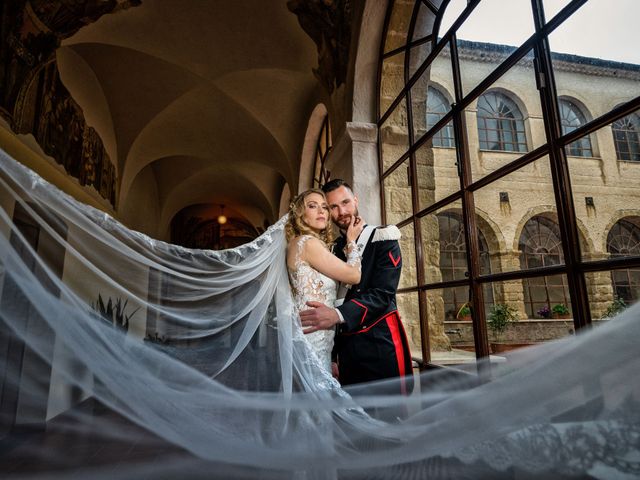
[{"x": 198, "y": 102}]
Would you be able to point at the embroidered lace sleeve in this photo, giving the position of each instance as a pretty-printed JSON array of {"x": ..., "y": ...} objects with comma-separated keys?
[{"x": 353, "y": 252}]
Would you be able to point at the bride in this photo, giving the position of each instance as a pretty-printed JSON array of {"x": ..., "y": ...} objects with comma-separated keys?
[{"x": 313, "y": 269}]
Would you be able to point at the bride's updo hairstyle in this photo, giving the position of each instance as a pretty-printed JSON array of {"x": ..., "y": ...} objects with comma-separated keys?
[{"x": 296, "y": 225}]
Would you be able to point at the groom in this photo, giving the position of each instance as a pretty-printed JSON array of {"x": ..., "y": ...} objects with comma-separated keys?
[{"x": 371, "y": 343}]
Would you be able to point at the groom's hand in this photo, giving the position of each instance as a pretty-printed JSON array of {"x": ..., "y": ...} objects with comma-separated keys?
[{"x": 319, "y": 317}]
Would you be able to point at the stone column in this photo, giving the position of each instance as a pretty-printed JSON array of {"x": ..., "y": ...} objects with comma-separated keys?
[
  {"x": 354, "y": 158},
  {"x": 599, "y": 287}
]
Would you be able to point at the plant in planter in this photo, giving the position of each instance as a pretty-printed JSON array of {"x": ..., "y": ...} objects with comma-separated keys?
[
  {"x": 544, "y": 312},
  {"x": 617, "y": 306},
  {"x": 560, "y": 310},
  {"x": 113, "y": 312},
  {"x": 500, "y": 316},
  {"x": 464, "y": 313}
]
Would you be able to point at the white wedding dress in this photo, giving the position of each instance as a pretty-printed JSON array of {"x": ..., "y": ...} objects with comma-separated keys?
[
  {"x": 204, "y": 351},
  {"x": 310, "y": 285}
]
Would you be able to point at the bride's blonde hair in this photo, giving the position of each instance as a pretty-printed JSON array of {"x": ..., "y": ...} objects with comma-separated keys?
[{"x": 296, "y": 225}]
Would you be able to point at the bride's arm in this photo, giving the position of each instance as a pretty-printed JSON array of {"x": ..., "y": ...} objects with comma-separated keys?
[{"x": 316, "y": 254}]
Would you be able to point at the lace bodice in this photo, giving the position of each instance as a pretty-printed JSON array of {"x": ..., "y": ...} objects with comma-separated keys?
[
  {"x": 307, "y": 283},
  {"x": 310, "y": 285}
]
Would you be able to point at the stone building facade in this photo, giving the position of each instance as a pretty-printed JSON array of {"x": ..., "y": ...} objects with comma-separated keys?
[{"x": 516, "y": 215}]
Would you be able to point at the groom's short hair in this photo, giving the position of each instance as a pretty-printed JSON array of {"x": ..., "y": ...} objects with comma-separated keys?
[{"x": 335, "y": 184}]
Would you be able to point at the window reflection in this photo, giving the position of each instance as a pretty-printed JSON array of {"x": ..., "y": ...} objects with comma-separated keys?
[
  {"x": 540, "y": 247},
  {"x": 625, "y": 136},
  {"x": 437, "y": 107},
  {"x": 571, "y": 117},
  {"x": 624, "y": 240},
  {"x": 453, "y": 263},
  {"x": 500, "y": 124}
]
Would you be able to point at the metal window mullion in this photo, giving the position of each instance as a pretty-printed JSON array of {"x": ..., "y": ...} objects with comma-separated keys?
[
  {"x": 567, "y": 221},
  {"x": 407, "y": 53},
  {"x": 481, "y": 339},
  {"x": 417, "y": 232}
]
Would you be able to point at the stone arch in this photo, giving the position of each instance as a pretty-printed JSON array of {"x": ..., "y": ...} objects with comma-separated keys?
[
  {"x": 615, "y": 218},
  {"x": 285, "y": 199},
  {"x": 550, "y": 211},
  {"x": 511, "y": 95},
  {"x": 314, "y": 127},
  {"x": 494, "y": 237}
]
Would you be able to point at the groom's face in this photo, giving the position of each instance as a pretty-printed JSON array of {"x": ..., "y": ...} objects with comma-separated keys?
[{"x": 343, "y": 205}]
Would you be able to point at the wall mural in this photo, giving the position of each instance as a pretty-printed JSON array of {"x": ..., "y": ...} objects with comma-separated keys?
[
  {"x": 328, "y": 23},
  {"x": 32, "y": 96}
]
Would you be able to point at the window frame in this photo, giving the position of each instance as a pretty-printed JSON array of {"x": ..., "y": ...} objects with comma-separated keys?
[
  {"x": 516, "y": 124},
  {"x": 575, "y": 267}
]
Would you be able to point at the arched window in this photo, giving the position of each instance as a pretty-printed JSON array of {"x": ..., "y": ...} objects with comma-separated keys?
[
  {"x": 437, "y": 106},
  {"x": 623, "y": 240},
  {"x": 540, "y": 246},
  {"x": 500, "y": 124},
  {"x": 453, "y": 262},
  {"x": 320, "y": 173},
  {"x": 571, "y": 117},
  {"x": 625, "y": 136}
]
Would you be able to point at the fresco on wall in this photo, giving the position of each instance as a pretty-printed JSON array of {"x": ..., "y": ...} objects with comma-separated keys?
[
  {"x": 33, "y": 99},
  {"x": 328, "y": 23}
]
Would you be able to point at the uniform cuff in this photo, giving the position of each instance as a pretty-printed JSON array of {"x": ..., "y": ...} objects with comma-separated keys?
[{"x": 340, "y": 317}]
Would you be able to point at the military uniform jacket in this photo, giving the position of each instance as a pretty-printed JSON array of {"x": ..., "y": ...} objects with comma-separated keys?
[{"x": 371, "y": 343}]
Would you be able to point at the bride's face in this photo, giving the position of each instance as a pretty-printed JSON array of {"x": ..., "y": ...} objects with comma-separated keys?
[{"x": 316, "y": 212}]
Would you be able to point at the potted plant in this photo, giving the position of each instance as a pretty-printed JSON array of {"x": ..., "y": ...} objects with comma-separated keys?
[
  {"x": 464, "y": 313},
  {"x": 560, "y": 310},
  {"x": 500, "y": 316},
  {"x": 544, "y": 312},
  {"x": 617, "y": 306}
]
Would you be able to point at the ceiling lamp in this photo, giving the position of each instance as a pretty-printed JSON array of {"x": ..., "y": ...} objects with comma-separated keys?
[{"x": 221, "y": 218}]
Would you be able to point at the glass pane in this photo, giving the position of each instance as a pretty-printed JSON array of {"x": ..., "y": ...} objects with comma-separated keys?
[
  {"x": 408, "y": 308},
  {"x": 612, "y": 292},
  {"x": 398, "y": 25},
  {"x": 626, "y": 138},
  {"x": 424, "y": 22},
  {"x": 485, "y": 48},
  {"x": 589, "y": 74},
  {"x": 606, "y": 195},
  {"x": 573, "y": 114},
  {"x": 397, "y": 194},
  {"x": 437, "y": 168},
  {"x": 517, "y": 219},
  {"x": 417, "y": 56},
  {"x": 392, "y": 81},
  {"x": 552, "y": 7},
  {"x": 443, "y": 244},
  {"x": 394, "y": 136},
  {"x": 409, "y": 276},
  {"x": 450, "y": 328},
  {"x": 506, "y": 121},
  {"x": 613, "y": 36},
  {"x": 527, "y": 312},
  {"x": 451, "y": 14},
  {"x": 433, "y": 93}
]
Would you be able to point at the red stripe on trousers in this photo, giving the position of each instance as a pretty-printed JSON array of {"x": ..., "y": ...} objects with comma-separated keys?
[{"x": 394, "y": 328}]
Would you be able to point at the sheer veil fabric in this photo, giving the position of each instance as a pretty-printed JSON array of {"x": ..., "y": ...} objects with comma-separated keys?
[{"x": 201, "y": 360}]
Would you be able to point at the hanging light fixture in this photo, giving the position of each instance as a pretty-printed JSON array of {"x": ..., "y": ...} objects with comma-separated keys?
[{"x": 221, "y": 218}]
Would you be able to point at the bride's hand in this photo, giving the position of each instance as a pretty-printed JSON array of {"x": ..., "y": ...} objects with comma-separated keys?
[{"x": 355, "y": 228}]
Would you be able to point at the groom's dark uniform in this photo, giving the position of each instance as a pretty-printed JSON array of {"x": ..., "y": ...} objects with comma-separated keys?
[{"x": 371, "y": 344}]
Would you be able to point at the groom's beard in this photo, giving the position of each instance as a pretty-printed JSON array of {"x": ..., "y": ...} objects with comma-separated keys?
[{"x": 343, "y": 222}]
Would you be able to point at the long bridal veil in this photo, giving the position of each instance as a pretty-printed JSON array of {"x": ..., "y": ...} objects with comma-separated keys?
[{"x": 123, "y": 355}]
